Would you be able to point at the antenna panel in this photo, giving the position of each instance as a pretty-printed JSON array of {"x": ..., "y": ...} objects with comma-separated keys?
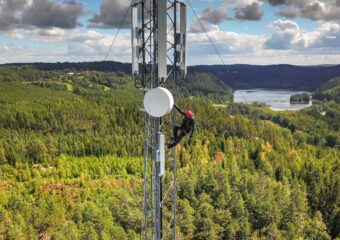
[
  {"x": 162, "y": 39},
  {"x": 161, "y": 140},
  {"x": 183, "y": 31},
  {"x": 134, "y": 42},
  {"x": 178, "y": 56},
  {"x": 178, "y": 39}
]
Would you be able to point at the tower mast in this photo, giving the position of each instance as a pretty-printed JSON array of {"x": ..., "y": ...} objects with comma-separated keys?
[{"x": 158, "y": 56}]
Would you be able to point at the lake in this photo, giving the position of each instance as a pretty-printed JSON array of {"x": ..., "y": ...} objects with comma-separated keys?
[{"x": 277, "y": 100}]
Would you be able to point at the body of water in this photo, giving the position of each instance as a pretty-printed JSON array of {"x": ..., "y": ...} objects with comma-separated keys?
[{"x": 277, "y": 100}]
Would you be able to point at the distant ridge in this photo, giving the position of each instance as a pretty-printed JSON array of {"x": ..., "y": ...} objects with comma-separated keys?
[
  {"x": 281, "y": 76},
  {"x": 104, "y": 66}
]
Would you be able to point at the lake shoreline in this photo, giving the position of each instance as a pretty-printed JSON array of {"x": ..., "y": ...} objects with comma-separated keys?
[{"x": 277, "y": 100}]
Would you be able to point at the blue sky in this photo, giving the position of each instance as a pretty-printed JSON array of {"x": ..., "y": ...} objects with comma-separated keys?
[{"x": 301, "y": 32}]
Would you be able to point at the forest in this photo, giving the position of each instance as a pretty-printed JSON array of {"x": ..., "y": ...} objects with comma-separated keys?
[
  {"x": 300, "y": 98},
  {"x": 329, "y": 91},
  {"x": 71, "y": 162}
]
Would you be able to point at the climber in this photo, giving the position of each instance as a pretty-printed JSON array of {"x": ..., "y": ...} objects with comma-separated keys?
[{"x": 187, "y": 126}]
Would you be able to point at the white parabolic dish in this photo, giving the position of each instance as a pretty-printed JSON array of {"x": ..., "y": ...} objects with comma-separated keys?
[{"x": 158, "y": 102}]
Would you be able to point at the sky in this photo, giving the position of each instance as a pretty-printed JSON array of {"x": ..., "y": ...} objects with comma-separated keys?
[{"x": 299, "y": 32}]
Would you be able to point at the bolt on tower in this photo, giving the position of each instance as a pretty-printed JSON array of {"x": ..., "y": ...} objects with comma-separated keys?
[{"x": 158, "y": 38}]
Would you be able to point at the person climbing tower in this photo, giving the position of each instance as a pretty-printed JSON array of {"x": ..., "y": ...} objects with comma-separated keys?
[{"x": 187, "y": 126}]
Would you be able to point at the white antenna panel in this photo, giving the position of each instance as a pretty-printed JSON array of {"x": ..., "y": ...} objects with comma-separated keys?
[
  {"x": 162, "y": 39},
  {"x": 134, "y": 38},
  {"x": 161, "y": 141},
  {"x": 183, "y": 31}
]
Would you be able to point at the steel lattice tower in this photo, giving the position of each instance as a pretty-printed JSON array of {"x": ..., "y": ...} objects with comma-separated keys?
[{"x": 158, "y": 56}]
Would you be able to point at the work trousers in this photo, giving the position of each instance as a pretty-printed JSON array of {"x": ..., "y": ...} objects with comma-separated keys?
[{"x": 177, "y": 137}]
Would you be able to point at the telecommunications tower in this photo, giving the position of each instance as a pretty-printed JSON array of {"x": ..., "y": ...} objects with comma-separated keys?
[{"x": 158, "y": 36}]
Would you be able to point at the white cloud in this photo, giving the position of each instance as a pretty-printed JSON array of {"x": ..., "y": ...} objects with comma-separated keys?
[
  {"x": 268, "y": 57},
  {"x": 226, "y": 42},
  {"x": 287, "y": 35},
  {"x": 29, "y": 54},
  {"x": 325, "y": 10},
  {"x": 15, "y": 34},
  {"x": 3, "y": 48},
  {"x": 319, "y": 10},
  {"x": 243, "y": 3},
  {"x": 99, "y": 47},
  {"x": 75, "y": 43},
  {"x": 327, "y": 36},
  {"x": 81, "y": 49},
  {"x": 54, "y": 35},
  {"x": 288, "y": 44}
]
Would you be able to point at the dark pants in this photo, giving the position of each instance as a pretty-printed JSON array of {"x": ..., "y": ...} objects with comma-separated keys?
[{"x": 177, "y": 138}]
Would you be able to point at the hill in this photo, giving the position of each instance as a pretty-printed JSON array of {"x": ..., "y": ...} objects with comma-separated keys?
[
  {"x": 329, "y": 90},
  {"x": 71, "y": 165},
  {"x": 104, "y": 66},
  {"x": 306, "y": 78}
]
